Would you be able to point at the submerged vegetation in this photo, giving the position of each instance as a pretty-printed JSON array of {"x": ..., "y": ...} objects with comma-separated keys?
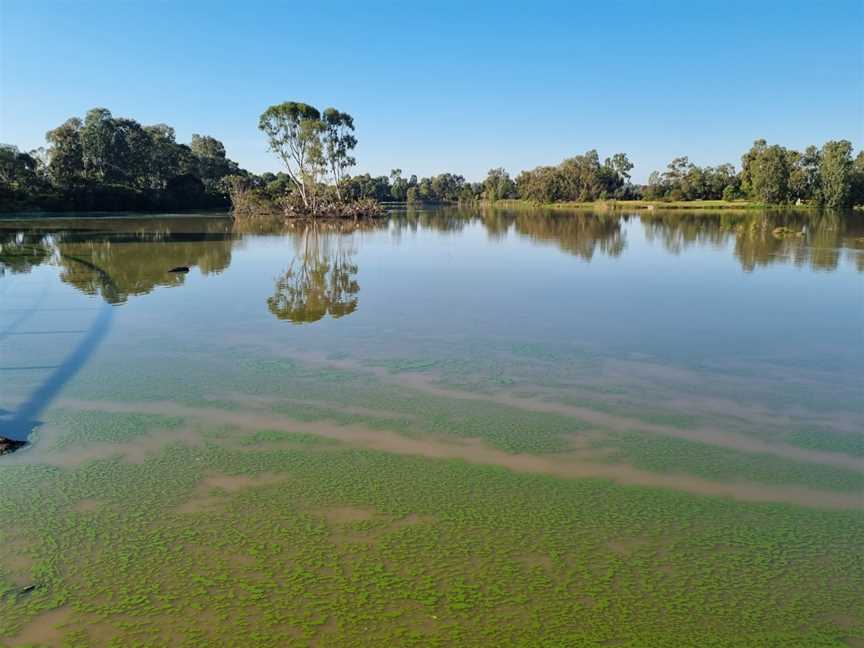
[
  {"x": 275, "y": 537},
  {"x": 371, "y": 480}
]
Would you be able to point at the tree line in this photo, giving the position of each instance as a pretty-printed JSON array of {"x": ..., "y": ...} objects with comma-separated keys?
[
  {"x": 769, "y": 174},
  {"x": 828, "y": 176},
  {"x": 102, "y": 162},
  {"x": 115, "y": 163}
]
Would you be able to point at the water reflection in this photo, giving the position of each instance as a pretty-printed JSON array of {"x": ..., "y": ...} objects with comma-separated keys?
[
  {"x": 20, "y": 252},
  {"x": 818, "y": 240},
  {"x": 582, "y": 235},
  {"x": 137, "y": 253},
  {"x": 118, "y": 259},
  {"x": 320, "y": 280},
  {"x": 757, "y": 238}
]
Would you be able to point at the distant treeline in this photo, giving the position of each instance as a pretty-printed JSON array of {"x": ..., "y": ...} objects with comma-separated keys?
[
  {"x": 769, "y": 174},
  {"x": 829, "y": 176},
  {"x": 113, "y": 163}
]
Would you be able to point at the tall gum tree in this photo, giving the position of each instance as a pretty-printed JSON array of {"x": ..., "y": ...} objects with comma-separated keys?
[
  {"x": 339, "y": 141},
  {"x": 293, "y": 131}
]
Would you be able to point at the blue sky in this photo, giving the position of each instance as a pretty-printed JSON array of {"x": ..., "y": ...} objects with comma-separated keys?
[{"x": 449, "y": 86}]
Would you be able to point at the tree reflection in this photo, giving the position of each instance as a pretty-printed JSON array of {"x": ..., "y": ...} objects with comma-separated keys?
[
  {"x": 320, "y": 280},
  {"x": 759, "y": 239},
  {"x": 582, "y": 234},
  {"x": 135, "y": 254},
  {"x": 140, "y": 263},
  {"x": 20, "y": 252}
]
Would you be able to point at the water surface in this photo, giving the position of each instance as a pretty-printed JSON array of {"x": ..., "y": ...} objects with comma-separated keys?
[{"x": 477, "y": 426}]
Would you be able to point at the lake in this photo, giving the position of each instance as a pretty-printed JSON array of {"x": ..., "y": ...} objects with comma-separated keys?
[{"x": 457, "y": 426}]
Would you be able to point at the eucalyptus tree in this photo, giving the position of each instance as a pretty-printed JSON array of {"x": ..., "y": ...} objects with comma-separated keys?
[
  {"x": 580, "y": 176},
  {"x": 804, "y": 180},
  {"x": 498, "y": 185},
  {"x": 65, "y": 153},
  {"x": 858, "y": 183},
  {"x": 339, "y": 141},
  {"x": 206, "y": 146},
  {"x": 719, "y": 179},
  {"x": 17, "y": 170},
  {"x": 765, "y": 172},
  {"x": 398, "y": 185},
  {"x": 132, "y": 153},
  {"x": 621, "y": 165},
  {"x": 97, "y": 142},
  {"x": 208, "y": 160},
  {"x": 836, "y": 170},
  {"x": 293, "y": 131},
  {"x": 164, "y": 155}
]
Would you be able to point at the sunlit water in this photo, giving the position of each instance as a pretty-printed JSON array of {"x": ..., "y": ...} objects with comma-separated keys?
[{"x": 355, "y": 393}]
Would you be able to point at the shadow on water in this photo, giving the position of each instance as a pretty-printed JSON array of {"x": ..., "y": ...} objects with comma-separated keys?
[
  {"x": 122, "y": 268},
  {"x": 18, "y": 425},
  {"x": 24, "y": 315}
]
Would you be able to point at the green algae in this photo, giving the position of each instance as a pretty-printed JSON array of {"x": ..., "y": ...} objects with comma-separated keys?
[
  {"x": 823, "y": 438},
  {"x": 277, "y": 538},
  {"x": 344, "y": 396},
  {"x": 449, "y": 553},
  {"x": 83, "y": 427},
  {"x": 670, "y": 455},
  {"x": 263, "y": 437}
]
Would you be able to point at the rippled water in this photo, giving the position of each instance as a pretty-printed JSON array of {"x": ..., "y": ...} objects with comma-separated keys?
[{"x": 637, "y": 427}]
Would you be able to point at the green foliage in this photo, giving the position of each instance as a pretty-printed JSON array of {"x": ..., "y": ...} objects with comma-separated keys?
[
  {"x": 294, "y": 132},
  {"x": 836, "y": 171},
  {"x": 443, "y": 188},
  {"x": 580, "y": 178},
  {"x": 769, "y": 175},
  {"x": 114, "y": 163},
  {"x": 683, "y": 180},
  {"x": 66, "y": 154},
  {"x": 731, "y": 193},
  {"x": 498, "y": 185},
  {"x": 86, "y": 158},
  {"x": 339, "y": 141},
  {"x": 310, "y": 146},
  {"x": 857, "y": 189}
]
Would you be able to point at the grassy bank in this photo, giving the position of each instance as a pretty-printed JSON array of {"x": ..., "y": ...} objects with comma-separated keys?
[{"x": 646, "y": 204}]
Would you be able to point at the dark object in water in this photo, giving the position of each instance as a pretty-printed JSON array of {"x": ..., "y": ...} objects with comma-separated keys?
[
  {"x": 180, "y": 269},
  {"x": 19, "y": 591},
  {"x": 10, "y": 445}
]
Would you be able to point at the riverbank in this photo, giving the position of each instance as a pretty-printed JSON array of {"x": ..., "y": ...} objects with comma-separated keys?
[{"x": 608, "y": 205}]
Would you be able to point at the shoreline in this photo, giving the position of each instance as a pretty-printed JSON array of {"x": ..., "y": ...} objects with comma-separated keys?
[{"x": 649, "y": 205}]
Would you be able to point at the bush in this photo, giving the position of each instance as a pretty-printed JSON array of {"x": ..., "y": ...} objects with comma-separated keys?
[{"x": 730, "y": 193}]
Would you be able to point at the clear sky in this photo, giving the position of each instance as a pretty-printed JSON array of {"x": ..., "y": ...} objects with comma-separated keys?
[{"x": 449, "y": 86}]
